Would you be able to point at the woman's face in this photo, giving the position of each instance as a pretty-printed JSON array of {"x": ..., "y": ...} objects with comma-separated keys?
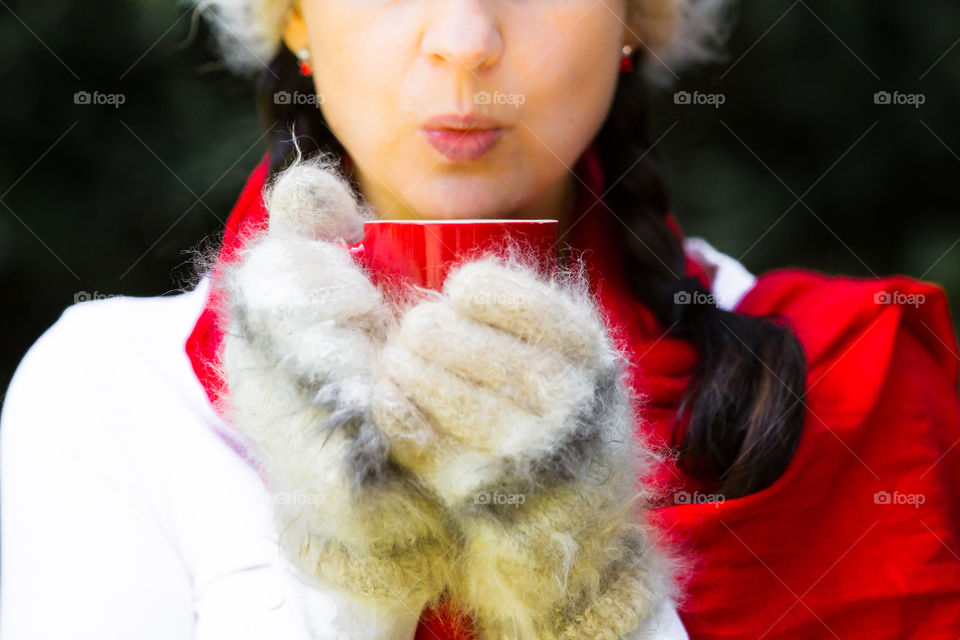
[{"x": 542, "y": 72}]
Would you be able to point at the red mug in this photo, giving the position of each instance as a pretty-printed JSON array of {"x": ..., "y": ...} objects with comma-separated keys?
[{"x": 422, "y": 252}]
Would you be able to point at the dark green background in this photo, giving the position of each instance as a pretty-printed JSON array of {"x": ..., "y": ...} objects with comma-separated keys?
[{"x": 111, "y": 200}]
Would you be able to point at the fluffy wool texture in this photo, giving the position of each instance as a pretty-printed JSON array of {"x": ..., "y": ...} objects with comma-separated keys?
[
  {"x": 676, "y": 34},
  {"x": 475, "y": 443}
]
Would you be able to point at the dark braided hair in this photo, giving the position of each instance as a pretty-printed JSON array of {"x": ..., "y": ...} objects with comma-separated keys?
[{"x": 741, "y": 417}]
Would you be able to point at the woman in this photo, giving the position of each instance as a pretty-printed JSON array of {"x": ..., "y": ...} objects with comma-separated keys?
[{"x": 813, "y": 418}]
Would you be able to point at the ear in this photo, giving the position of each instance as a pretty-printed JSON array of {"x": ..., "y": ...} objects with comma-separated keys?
[
  {"x": 650, "y": 24},
  {"x": 631, "y": 29},
  {"x": 295, "y": 35}
]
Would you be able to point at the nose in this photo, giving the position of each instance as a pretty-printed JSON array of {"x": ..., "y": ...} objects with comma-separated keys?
[{"x": 465, "y": 35}]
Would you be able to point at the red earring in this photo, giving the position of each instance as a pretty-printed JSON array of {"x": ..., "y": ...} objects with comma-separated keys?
[
  {"x": 303, "y": 61},
  {"x": 626, "y": 62}
]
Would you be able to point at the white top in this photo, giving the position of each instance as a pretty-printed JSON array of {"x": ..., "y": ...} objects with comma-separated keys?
[{"x": 126, "y": 516}]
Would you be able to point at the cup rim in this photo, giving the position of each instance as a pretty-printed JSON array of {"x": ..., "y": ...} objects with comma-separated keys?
[{"x": 466, "y": 220}]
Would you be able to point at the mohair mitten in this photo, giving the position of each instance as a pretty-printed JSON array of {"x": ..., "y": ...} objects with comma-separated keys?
[
  {"x": 304, "y": 327},
  {"x": 480, "y": 445},
  {"x": 506, "y": 396}
]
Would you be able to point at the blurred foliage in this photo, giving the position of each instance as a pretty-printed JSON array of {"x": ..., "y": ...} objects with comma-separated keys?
[
  {"x": 800, "y": 166},
  {"x": 110, "y": 200}
]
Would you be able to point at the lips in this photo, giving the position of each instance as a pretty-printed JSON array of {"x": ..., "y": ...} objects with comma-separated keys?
[{"x": 462, "y": 137}]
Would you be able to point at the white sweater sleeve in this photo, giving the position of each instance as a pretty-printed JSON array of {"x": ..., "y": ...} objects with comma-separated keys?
[
  {"x": 124, "y": 515},
  {"x": 82, "y": 555}
]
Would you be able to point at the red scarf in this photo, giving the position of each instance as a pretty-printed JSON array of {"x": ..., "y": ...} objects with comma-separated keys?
[{"x": 819, "y": 553}]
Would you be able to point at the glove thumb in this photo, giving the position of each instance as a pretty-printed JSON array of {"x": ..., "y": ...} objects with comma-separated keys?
[{"x": 312, "y": 198}]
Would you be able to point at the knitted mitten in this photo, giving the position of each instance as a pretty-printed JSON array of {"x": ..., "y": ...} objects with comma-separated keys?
[
  {"x": 482, "y": 447},
  {"x": 505, "y": 395},
  {"x": 303, "y": 331}
]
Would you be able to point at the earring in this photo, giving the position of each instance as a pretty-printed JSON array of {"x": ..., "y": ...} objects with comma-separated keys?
[
  {"x": 303, "y": 57},
  {"x": 626, "y": 62}
]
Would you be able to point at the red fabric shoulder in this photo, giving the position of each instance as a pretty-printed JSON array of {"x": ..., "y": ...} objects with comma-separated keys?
[
  {"x": 848, "y": 327},
  {"x": 861, "y": 535}
]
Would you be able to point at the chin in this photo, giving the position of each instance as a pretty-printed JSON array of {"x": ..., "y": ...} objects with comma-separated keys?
[{"x": 468, "y": 201}]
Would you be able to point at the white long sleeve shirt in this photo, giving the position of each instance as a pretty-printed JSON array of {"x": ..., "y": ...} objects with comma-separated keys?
[{"x": 124, "y": 515}]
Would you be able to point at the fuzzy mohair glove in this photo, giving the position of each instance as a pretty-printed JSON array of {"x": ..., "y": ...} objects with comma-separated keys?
[
  {"x": 476, "y": 442},
  {"x": 505, "y": 395},
  {"x": 303, "y": 330}
]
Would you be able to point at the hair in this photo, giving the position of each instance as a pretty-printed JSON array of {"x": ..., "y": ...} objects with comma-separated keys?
[{"x": 740, "y": 419}]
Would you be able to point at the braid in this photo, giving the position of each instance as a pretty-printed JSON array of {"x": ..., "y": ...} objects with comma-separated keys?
[{"x": 741, "y": 416}]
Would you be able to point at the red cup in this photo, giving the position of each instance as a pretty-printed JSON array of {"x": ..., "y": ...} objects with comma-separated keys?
[{"x": 422, "y": 252}]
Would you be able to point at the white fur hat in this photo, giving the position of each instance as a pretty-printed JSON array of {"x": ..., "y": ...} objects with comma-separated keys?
[{"x": 674, "y": 33}]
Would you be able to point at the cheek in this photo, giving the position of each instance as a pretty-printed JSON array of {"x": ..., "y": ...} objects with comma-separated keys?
[
  {"x": 358, "y": 50},
  {"x": 568, "y": 74}
]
